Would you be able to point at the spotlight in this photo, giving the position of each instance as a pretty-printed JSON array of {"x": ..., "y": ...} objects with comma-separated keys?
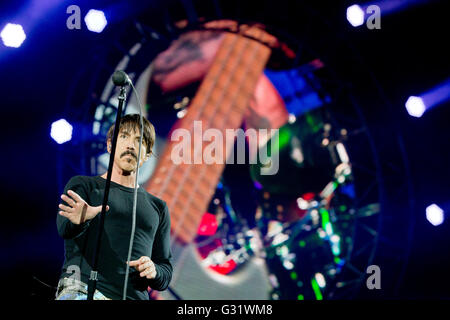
[
  {"x": 95, "y": 20},
  {"x": 435, "y": 215},
  {"x": 13, "y": 35},
  {"x": 61, "y": 131},
  {"x": 181, "y": 113},
  {"x": 415, "y": 106},
  {"x": 342, "y": 153},
  {"x": 291, "y": 118},
  {"x": 320, "y": 279},
  {"x": 355, "y": 15}
]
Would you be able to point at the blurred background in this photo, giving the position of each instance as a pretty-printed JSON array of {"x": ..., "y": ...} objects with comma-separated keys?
[{"x": 359, "y": 93}]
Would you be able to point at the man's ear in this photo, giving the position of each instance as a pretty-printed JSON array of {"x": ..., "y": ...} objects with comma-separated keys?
[{"x": 108, "y": 145}]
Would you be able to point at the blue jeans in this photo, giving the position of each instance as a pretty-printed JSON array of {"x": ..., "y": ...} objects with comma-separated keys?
[{"x": 73, "y": 289}]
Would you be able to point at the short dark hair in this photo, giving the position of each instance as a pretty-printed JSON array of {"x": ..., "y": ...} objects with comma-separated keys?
[{"x": 133, "y": 122}]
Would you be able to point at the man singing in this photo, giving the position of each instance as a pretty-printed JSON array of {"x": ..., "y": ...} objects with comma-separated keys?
[{"x": 78, "y": 220}]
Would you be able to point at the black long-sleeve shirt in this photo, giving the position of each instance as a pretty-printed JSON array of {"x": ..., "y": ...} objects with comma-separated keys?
[{"x": 152, "y": 238}]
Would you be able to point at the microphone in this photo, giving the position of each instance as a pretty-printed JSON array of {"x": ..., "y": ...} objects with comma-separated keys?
[{"x": 120, "y": 78}]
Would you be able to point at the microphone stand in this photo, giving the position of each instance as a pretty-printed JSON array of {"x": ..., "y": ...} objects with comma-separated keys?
[{"x": 93, "y": 276}]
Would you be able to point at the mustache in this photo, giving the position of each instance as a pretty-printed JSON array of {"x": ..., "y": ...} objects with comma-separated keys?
[{"x": 129, "y": 153}]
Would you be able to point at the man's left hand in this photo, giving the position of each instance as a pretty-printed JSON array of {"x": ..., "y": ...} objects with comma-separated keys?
[{"x": 146, "y": 267}]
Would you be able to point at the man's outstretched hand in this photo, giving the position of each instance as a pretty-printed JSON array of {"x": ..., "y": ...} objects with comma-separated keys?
[
  {"x": 145, "y": 265},
  {"x": 78, "y": 211}
]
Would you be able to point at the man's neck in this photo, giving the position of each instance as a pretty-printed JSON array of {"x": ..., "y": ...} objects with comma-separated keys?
[{"x": 126, "y": 179}]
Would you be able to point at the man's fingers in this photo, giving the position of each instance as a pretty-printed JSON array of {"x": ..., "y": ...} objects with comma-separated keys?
[
  {"x": 148, "y": 273},
  {"x": 62, "y": 213},
  {"x": 144, "y": 259},
  {"x": 68, "y": 200},
  {"x": 133, "y": 263},
  {"x": 145, "y": 273},
  {"x": 144, "y": 266},
  {"x": 141, "y": 263},
  {"x": 75, "y": 196},
  {"x": 65, "y": 208}
]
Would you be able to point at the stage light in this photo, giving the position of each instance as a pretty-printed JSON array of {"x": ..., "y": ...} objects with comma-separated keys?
[
  {"x": 342, "y": 152},
  {"x": 302, "y": 203},
  {"x": 335, "y": 238},
  {"x": 316, "y": 289},
  {"x": 355, "y": 15},
  {"x": 13, "y": 35},
  {"x": 320, "y": 279},
  {"x": 292, "y": 118},
  {"x": 274, "y": 228},
  {"x": 435, "y": 215},
  {"x": 61, "y": 131},
  {"x": 279, "y": 238},
  {"x": 415, "y": 106},
  {"x": 288, "y": 265},
  {"x": 335, "y": 248},
  {"x": 322, "y": 234},
  {"x": 95, "y": 20},
  {"x": 258, "y": 185},
  {"x": 181, "y": 113}
]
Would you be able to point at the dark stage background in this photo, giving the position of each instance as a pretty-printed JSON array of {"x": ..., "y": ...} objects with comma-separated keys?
[{"x": 407, "y": 56}]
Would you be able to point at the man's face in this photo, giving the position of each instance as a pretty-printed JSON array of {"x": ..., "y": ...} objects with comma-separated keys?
[{"x": 127, "y": 150}]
